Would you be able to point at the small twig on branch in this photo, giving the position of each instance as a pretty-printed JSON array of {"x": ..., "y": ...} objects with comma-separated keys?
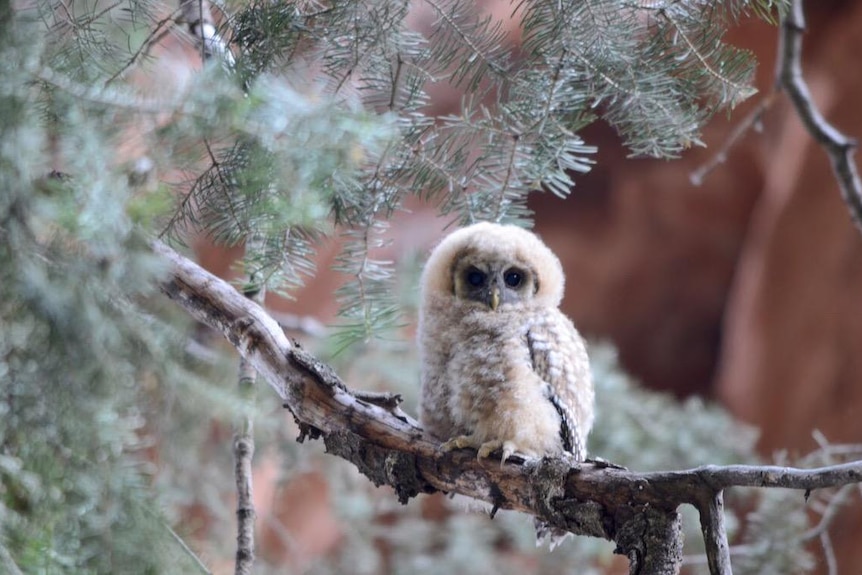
[
  {"x": 752, "y": 120},
  {"x": 187, "y": 550},
  {"x": 636, "y": 510},
  {"x": 161, "y": 29},
  {"x": 829, "y": 553},
  {"x": 789, "y": 78},
  {"x": 836, "y": 502},
  {"x": 839, "y": 148}
]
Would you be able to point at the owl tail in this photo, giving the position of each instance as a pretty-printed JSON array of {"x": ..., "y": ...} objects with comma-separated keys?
[{"x": 545, "y": 533}]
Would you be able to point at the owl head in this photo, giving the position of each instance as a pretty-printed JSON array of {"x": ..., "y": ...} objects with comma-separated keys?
[{"x": 495, "y": 266}]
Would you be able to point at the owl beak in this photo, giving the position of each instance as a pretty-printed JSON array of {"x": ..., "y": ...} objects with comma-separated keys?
[{"x": 494, "y": 299}]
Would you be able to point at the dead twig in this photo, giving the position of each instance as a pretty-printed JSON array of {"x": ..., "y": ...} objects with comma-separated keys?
[{"x": 838, "y": 147}]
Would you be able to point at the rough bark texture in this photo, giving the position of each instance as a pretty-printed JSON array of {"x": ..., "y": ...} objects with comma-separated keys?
[
  {"x": 651, "y": 539},
  {"x": 714, "y": 534},
  {"x": 244, "y": 452},
  {"x": 636, "y": 510}
]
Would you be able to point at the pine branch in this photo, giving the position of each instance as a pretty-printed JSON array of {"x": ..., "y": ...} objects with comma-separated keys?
[
  {"x": 636, "y": 510},
  {"x": 161, "y": 29},
  {"x": 709, "y": 63},
  {"x": 472, "y": 45}
]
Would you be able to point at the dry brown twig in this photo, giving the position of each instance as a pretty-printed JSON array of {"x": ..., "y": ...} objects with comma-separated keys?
[
  {"x": 838, "y": 147},
  {"x": 636, "y": 510},
  {"x": 751, "y": 121},
  {"x": 790, "y": 80}
]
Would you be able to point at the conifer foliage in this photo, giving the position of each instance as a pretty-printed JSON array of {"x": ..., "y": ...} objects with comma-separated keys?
[{"x": 350, "y": 80}]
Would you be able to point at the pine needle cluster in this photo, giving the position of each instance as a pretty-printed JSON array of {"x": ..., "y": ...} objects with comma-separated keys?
[{"x": 347, "y": 136}]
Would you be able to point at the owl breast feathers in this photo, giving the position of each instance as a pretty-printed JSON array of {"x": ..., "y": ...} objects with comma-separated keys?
[{"x": 502, "y": 367}]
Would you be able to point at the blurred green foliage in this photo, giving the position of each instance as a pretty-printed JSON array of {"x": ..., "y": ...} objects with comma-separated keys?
[{"x": 77, "y": 345}]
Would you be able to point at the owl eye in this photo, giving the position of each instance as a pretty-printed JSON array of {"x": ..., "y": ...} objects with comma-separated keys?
[
  {"x": 513, "y": 278},
  {"x": 475, "y": 278}
]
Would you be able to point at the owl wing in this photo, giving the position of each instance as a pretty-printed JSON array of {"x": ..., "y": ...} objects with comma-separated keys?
[{"x": 559, "y": 357}]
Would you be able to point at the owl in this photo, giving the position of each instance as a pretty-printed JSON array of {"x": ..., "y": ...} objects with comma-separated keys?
[{"x": 503, "y": 370}]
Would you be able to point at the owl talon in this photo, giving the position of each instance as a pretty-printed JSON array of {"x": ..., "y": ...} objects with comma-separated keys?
[
  {"x": 508, "y": 451},
  {"x": 488, "y": 448},
  {"x": 484, "y": 450},
  {"x": 459, "y": 442}
]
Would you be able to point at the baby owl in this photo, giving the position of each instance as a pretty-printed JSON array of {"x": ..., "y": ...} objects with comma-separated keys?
[{"x": 502, "y": 367}]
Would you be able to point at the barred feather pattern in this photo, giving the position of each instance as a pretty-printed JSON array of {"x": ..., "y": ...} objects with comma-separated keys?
[{"x": 569, "y": 389}]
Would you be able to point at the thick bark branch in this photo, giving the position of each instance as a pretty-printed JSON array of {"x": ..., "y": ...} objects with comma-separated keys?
[{"x": 636, "y": 510}]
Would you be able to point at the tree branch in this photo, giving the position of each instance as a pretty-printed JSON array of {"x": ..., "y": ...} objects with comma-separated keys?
[
  {"x": 715, "y": 535},
  {"x": 243, "y": 441},
  {"x": 636, "y": 510},
  {"x": 243, "y": 450},
  {"x": 840, "y": 148},
  {"x": 751, "y": 121},
  {"x": 789, "y": 78}
]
